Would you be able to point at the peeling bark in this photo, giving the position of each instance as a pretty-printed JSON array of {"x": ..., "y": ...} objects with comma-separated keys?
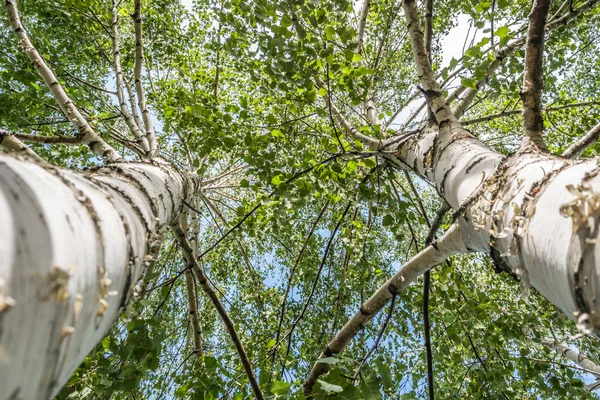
[{"x": 74, "y": 245}]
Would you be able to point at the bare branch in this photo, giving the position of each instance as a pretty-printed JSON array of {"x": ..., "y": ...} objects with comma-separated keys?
[
  {"x": 89, "y": 137},
  {"x": 533, "y": 120}
]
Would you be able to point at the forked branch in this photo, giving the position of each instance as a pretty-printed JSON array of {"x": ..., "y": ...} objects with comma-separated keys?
[{"x": 430, "y": 87}]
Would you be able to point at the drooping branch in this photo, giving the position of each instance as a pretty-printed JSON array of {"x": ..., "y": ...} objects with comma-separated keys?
[
  {"x": 317, "y": 277},
  {"x": 139, "y": 63},
  {"x": 89, "y": 137},
  {"x": 202, "y": 279},
  {"x": 127, "y": 116},
  {"x": 433, "y": 228},
  {"x": 531, "y": 95},
  {"x": 451, "y": 243},
  {"x": 583, "y": 143}
]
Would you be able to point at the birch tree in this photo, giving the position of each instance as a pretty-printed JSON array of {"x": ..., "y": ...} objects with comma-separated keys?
[{"x": 299, "y": 108}]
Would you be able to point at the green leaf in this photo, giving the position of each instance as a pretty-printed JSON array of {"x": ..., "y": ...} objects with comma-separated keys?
[
  {"x": 322, "y": 92},
  {"x": 277, "y": 133},
  {"x": 385, "y": 373},
  {"x": 388, "y": 220},
  {"x": 356, "y": 57},
  {"x": 328, "y": 387},
  {"x": 502, "y": 32},
  {"x": 469, "y": 83},
  {"x": 280, "y": 387},
  {"x": 328, "y": 360},
  {"x": 370, "y": 163}
]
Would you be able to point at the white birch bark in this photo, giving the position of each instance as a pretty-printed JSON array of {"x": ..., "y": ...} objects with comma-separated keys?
[{"x": 73, "y": 246}]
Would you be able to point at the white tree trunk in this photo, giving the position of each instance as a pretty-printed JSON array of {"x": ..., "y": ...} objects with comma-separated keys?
[
  {"x": 536, "y": 214},
  {"x": 73, "y": 247}
]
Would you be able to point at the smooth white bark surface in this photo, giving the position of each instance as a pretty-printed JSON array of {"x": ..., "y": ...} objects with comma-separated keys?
[{"x": 73, "y": 246}]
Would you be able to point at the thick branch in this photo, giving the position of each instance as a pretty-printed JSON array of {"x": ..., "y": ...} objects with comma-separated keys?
[
  {"x": 533, "y": 121},
  {"x": 139, "y": 62},
  {"x": 578, "y": 358},
  {"x": 89, "y": 137},
  {"x": 13, "y": 145},
  {"x": 188, "y": 254},
  {"x": 431, "y": 88},
  {"x": 583, "y": 143},
  {"x": 362, "y": 24},
  {"x": 451, "y": 243},
  {"x": 129, "y": 120}
]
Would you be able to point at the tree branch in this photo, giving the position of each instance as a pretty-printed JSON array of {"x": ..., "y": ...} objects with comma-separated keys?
[
  {"x": 361, "y": 25},
  {"x": 89, "y": 137},
  {"x": 368, "y": 141},
  {"x": 127, "y": 116},
  {"x": 578, "y": 358},
  {"x": 139, "y": 61},
  {"x": 451, "y": 243},
  {"x": 431, "y": 89},
  {"x": 193, "y": 265},
  {"x": 583, "y": 143},
  {"x": 292, "y": 272},
  {"x": 515, "y": 112},
  {"x": 533, "y": 120},
  {"x": 14, "y": 146},
  {"x": 507, "y": 51}
]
